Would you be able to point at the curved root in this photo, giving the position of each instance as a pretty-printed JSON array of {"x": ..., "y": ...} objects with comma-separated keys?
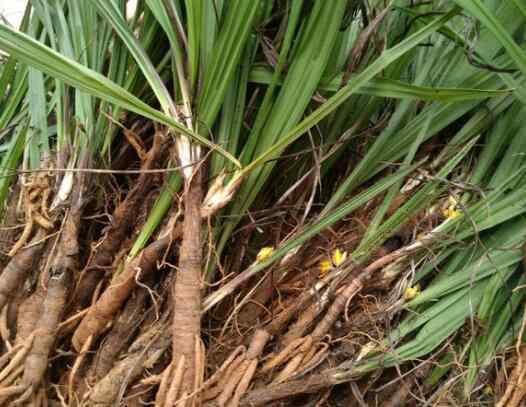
[
  {"x": 35, "y": 197},
  {"x": 13, "y": 370},
  {"x": 20, "y": 352},
  {"x": 235, "y": 375},
  {"x": 310, "y": 350},
  {"x": 111, "y": 300}
]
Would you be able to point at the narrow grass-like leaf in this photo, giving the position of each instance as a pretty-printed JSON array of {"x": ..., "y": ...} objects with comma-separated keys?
[
  {"x": 111, "y": 13},
  {"x": 391, "y": 88},
  {"x": 480, "y": 11},
  {"x": 45, "y": 59},
  {"x": 358, "y": 81},
  {"x": 10, "y": 161},
  {"x": 226, "y": 55}
]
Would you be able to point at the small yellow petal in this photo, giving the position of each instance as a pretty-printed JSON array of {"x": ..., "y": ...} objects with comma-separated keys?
[
  {"x": 453, "y": 214},
  {"x": 452, "y": 210},
  {"x": 338, "y": 257},
  {"x": 325, "y": 266},
  {"x": 411, "y": 293},
  {"x": 265, "y": 253}
]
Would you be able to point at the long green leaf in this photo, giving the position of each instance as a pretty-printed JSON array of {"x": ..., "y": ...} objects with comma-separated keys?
[
  {"x": 479, "y": 10},
  {"x": 54, "y": 64},
  {"x": 109, "y": 10},
  {"x": 391, "y": 88},
  {"x": 357, "y": 82}
]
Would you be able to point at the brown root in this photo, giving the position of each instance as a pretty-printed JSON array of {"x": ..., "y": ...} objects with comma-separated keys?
[
  {"x": 337, "y": 307},
  {"x": 162, "y": 392},
  {"x": 24, "y": 237},
  {"x": 17, "y": 355},
  {"x": 122, "y": 222},
  {"x": 305, "y": 321},
  {"x": 221, "y": 376},
  {"x": 76, "y": 367},
  {"x": 112, "y": 299},
  {"x": 244, "y": 383},
  {"x": 35, "y": 196},
  {"x": 516, "y": 389},
  {"x": 28, "y": 314},
  {"x": 176, "y": 382},
  {"x": 45, "y": 331},
  {"x": 143, "y": 353},
  {"x": 119, "y": 336},
  {"x": 303, "y": 351},
  {"x": 46, "y": 327},
  {"x": 16, "y": 271},
  {"x": 231, "y": 385},
  {"x": 235, "y": 375},
  {"x": 266, "y": 395},
  {"x": 186, "y": 328},
  {"x": 283, "y": 356}
]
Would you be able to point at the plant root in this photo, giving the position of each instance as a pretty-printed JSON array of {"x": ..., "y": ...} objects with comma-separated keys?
[
  {"x": 305, "y": 321},
  {"x": 233, "y": 378},
  {"x": 176, "y": 384},
  {"x": 45, "y": 333},
  {"x": 46, "y": 326},
  {"x": 186, "y": 324},
  {"x": 35, "y": 196},
  {"x": 119, "y": 336},
  {"x": 310, "y": 349},
  {"x": 117, "y": 232},
  {"x": 16, "y": 271},
  {"x": 28, "y": 314},
  {"x": 102, "y": 312},
  {"x": 13, "y": 370},
  {"x": 516, "y": 389},
  {"x": 265, "y": 396},
  {"x": 143, "y": 353},
  {"x": 166, "y": 379},
  {"x": 18, "y": 354},
  {"x": 174, "y": 394},
  {"x": 9, "y": 226}
]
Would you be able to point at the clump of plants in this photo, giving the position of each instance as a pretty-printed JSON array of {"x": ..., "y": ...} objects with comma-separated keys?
[{"x": 237, "y": 203}]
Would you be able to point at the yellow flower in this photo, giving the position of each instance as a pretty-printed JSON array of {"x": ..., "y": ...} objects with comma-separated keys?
[
  {"x": 325, "y": 267},
  {"x": 338, "y": 257},
  {"x": 264, "y": 253},
  {"x": 451, "y": 212},
  {"x": 488, "y": 390},
  {"x": 411, "y": 293}
]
